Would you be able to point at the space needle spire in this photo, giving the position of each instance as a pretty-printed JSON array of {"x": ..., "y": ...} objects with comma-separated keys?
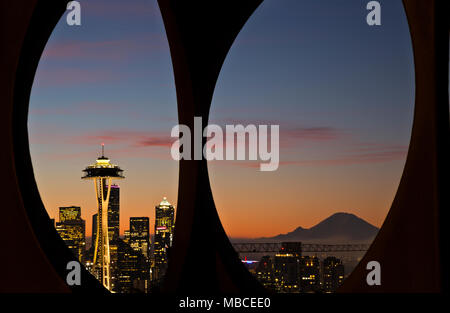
[{"x": 102, "y": 172}]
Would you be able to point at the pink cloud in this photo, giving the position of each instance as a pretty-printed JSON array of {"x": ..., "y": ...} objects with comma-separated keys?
[
  {"x": 374, "y": 147},
  {"x": 136, "y": 139},
  {"x": 313, "y": 133},
  {"x": 379, "y": 153},
  {"x": 111, "y": 50},
  {"x": 118, "y": 143},
  {"x": 68, "y": 76},
  {"x": 292, "y": 137},
  {"x": 156, "y": 142},
  {"x": 105, "y": 108},
  {"x": 52, "y": 111}
]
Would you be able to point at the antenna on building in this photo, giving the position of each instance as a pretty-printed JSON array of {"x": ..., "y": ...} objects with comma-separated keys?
[{"x": 103, "y": 150}]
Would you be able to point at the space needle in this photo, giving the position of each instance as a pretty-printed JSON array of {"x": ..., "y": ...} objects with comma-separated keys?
[{"x": 102, "y": 172}]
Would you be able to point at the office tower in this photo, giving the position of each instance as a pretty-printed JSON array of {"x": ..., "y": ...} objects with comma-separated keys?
[
  {"x": 286, "y": 272},
  {"x": 287, "y": 267},
  {"x": 139, "y": 234},
  {"x": 133, "y": 271},
  {"x": 102, "y": 172},
  {"x": 72, "y": 230},
  {"x": 94, "y": 230},
  {"x": 113, "y": 232},
  {"x": 264, "y": 272},
  {"x": 164, "y": 228},
  {"x": 126, "y": 236},
  {"x": 309, "y": 274},
  {"x": 114, "y": 212},
  {"x": 333, "y": 274},
  {"x": 113, "y": 216},
  {"x": 114, "y": 265}
]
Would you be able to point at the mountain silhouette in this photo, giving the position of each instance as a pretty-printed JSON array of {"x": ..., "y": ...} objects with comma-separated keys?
[{"x": 339, "y": 226}]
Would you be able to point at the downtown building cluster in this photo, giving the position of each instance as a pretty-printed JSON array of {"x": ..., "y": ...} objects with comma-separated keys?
[
  {"x": 137, "y": 263},
  {"x": 134, "y": 263},
  {"x": 291, "y": 272}
]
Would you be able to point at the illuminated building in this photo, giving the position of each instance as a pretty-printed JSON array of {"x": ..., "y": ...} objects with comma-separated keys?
[
  {"x": 287, "y": 267},
  {"x": 94, "y": 229},
  {"x": 126, "y": 236},
  {"x": 164, "y": 228},
  {"x": 309, "y": 274},
  {"x": 139, "y": 234},
  {"x": 113, "y": 215},
  {"x": 102, "y": 172},
  {"x": 286, "y": 272},
  {"x": 114, "y": 212},
  {"x": 264, "y": 272},
  {"x": 72, "y": 229},
  {"x": 333, "y": 274},
  {"x": 133, "y": 271},
  {"x": 114, "y": 265},
  {"x": 113, "y": 232}
]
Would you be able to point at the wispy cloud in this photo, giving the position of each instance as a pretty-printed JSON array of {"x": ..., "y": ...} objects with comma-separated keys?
[
  {"x": 373, "y": 157},
  {"x": 108, "y": 50},
  {"x": 348, "y": 151},
  {"x": 313, "y": 133},
  {"x": 293, "y": 137},
  {"x": 110, "y": 108},
  {"x": 73, "y": 76},
  {"x": 120, "y": 143},
  {"x": 320, "y": 133},
  {"x": 156, "y": 142},
  {"x": 373, "y": 153},
  {"x": 130, "y": 138}
]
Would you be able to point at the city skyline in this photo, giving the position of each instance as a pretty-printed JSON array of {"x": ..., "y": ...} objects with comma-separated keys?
[
  {"x": 344, "y": 126},
  {"x": 128, "y": 264},
  {"x": 137, "y": 265}
]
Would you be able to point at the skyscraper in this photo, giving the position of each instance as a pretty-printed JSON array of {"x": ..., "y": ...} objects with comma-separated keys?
[
  {"x": 126, "y": 236},
  {"x": 264, "y": 272},
  {"x": 309, "y": 274},
  {"x": 114, "y": 212},
  {"x": 113, "y": 232},
  {"x": 71, "y": 228},
  {"x": 113, "y": 216},
  {"x": 287, "y": 267},
  {"x": 102, "y": 172},
  {"x": 333, "y": 274},
  {"x": 94, "y": 229},
  {"x": 164, "y": 228},
  {"x": 286, "y": 272},
  {"x": 139, "y": 236},
  {"x": 133, "y": 270}
]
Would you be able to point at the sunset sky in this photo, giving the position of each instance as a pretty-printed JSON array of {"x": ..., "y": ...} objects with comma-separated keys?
[{"x": 341, "y": 91}]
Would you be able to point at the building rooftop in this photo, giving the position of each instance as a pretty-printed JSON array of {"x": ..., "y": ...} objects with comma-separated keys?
[{"x": 164, "y": 202}]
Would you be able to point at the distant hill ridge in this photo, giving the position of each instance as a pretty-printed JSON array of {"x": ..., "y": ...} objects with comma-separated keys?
[{"x": 339, "y": 226}]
